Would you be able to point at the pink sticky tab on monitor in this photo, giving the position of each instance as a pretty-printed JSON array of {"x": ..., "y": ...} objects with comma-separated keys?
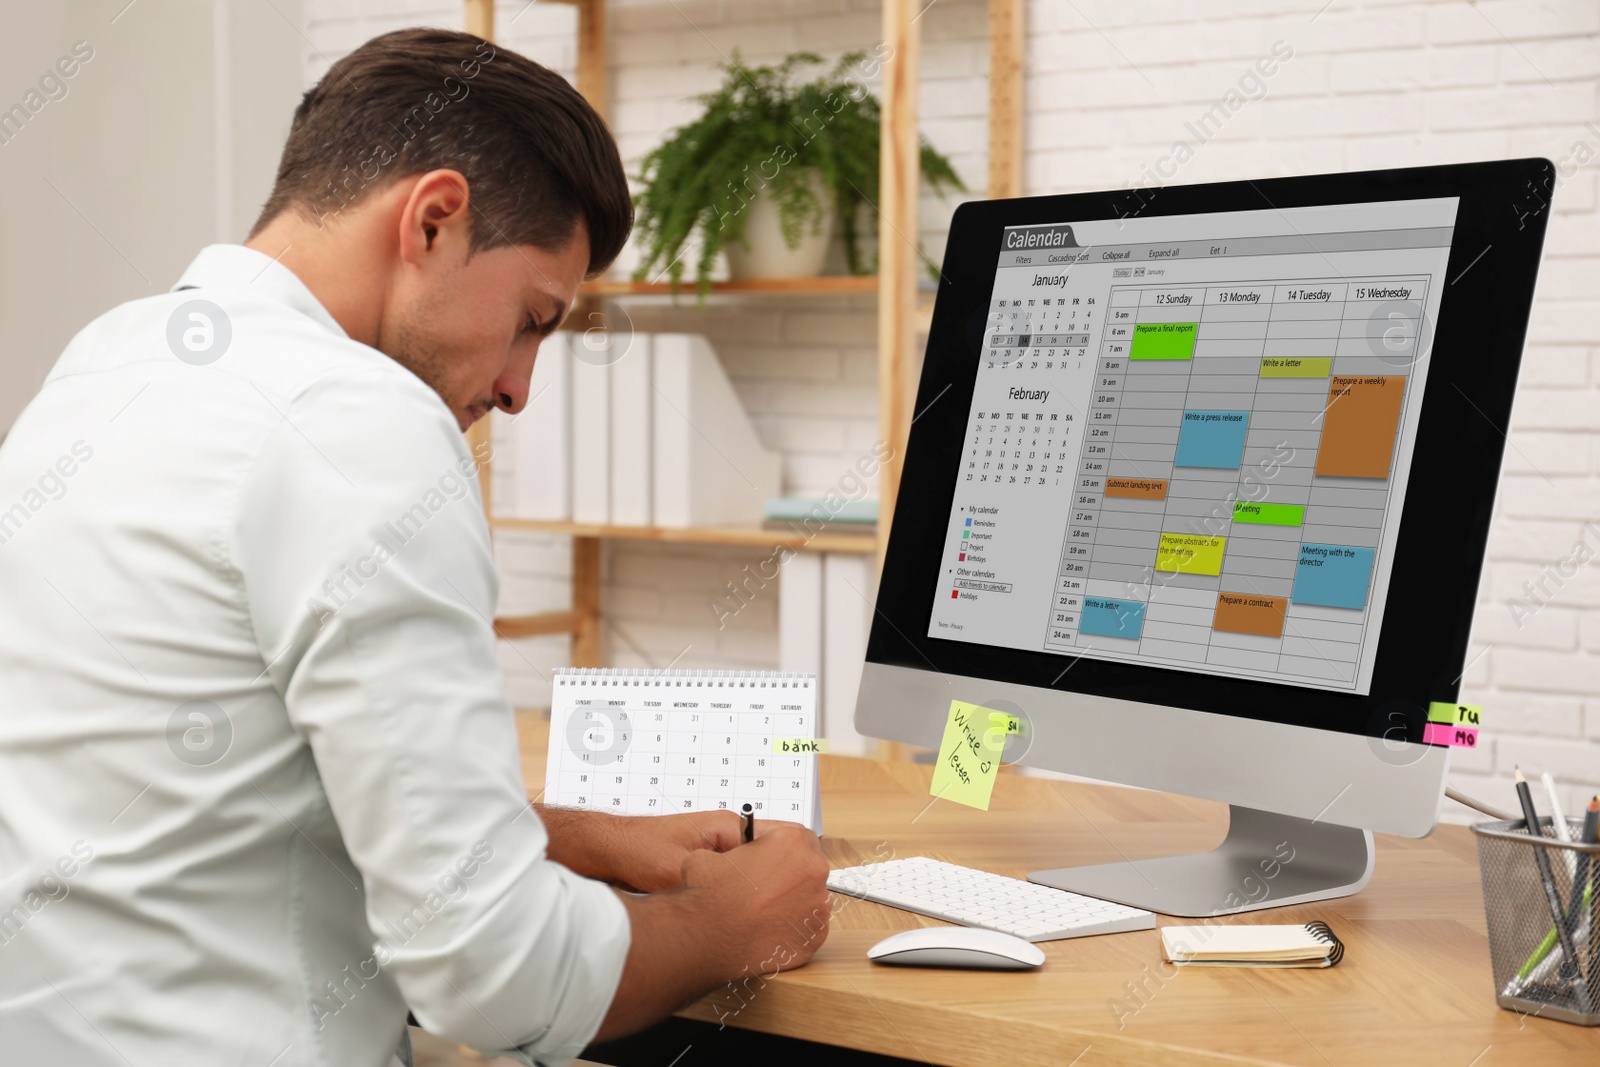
[
  {"x": 1440, "y": 733},
  {"x": 1465, "y": 736}
]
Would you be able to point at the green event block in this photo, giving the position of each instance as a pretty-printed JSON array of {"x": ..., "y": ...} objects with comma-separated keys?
[
  {"x": 1163, "y": 340},
  {"x": 1269, "y": 514}
]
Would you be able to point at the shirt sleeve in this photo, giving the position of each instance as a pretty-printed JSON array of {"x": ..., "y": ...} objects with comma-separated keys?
[{"x": 371, "y": 586}]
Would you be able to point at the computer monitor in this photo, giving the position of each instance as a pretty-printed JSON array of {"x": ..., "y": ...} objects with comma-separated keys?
[{"x": 1197, "y": 486}]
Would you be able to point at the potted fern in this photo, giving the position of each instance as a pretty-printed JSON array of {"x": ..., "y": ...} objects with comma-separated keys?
[{"x": 774, "y": 159}]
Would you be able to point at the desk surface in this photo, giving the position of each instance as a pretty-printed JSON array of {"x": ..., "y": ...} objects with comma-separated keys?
[{"x": 1414, "y": 987}]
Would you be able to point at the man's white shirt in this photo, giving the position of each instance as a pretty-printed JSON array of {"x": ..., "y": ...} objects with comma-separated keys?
[{"x": 259, "y": 785}]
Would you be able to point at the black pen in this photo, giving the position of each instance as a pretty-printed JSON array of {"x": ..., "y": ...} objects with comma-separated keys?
[
  {"x": 1530, "y": 815},
  {"x": 749, "y": 824},
  {"x": 1583, "y": 870}
]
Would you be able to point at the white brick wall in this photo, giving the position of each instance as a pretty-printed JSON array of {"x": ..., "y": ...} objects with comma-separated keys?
[{"x": 1111, "y": 87}]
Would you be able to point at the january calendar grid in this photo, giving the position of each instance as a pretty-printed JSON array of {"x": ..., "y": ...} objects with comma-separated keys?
[{"x": 649, "y": 742}]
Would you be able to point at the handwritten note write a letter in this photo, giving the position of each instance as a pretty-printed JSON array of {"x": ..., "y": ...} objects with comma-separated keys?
[{"x": 969, "y": 757}]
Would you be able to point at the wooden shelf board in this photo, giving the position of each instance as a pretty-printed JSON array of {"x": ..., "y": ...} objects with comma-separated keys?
[
  {"x": 829, "y": 285},
  {"x": 828, "y": 540},
  {"x": 549, "y": 622}
]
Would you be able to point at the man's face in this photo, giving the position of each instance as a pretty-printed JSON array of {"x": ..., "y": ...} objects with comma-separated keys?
[{"x": 471, "y": 327}]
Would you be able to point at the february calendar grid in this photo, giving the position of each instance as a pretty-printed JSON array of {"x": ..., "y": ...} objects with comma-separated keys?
[{"x": 647, "y": 742}]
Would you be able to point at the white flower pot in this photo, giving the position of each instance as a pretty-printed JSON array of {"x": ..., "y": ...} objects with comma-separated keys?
[{"x": 768, "y": 256}]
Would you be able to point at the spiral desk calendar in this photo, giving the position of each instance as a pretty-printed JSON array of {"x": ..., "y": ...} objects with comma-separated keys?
[{"x": 648, "y": 742}]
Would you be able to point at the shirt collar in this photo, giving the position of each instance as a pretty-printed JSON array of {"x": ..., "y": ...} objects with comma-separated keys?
[{"x": 238, "y": 267}]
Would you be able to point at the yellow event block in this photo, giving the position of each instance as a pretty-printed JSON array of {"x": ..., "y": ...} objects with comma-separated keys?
[
  {"x": 1455, "y": 714},
  {"x": 968, "y": 760},
  {"x": 790, "y": 746},
  {"x": 1296, "y": 366},
  {"x": 1190, "y": 554}
]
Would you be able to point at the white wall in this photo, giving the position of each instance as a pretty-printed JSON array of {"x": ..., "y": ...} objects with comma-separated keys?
[
  {"x": 1111, "y": 88},
  {"x": 108, "y": 191}
]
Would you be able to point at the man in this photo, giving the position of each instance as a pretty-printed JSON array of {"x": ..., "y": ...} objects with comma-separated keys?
[{"x": 259, "y": 785}]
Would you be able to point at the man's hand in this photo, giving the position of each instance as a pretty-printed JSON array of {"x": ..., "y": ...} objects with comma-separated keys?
[
  {"x": 741, "y": 916},
  {"x": 656, "y": 847},
  {"x": 771, "y": 897},
  {"x": 653, "y": 848},
  {"x": 641, "y": 852}
]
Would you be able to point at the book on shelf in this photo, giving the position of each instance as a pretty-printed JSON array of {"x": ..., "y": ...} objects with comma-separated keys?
[
  {"x": 711, "y": 467},
  {"x": 825, "y": 603},
  {"x": 591, "y": 430},
  {"x": 541, "y": 439},
  {"x": 782, "y": 511},
  {"x": 632, "y": 430},
  {"x": 651, "y": 435}
]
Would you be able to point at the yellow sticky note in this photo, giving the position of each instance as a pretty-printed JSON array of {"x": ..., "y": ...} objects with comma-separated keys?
[
  {"x": 1455, "y": 714},
  {"x": 802, "y": 746},
  {"x": 968, "y": 758}
]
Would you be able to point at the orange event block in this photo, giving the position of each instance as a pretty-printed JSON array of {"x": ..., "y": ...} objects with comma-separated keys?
[
  {"x": 1358, "y": 428},
  {"x": 1250, "y": 613},
  {"x": 1137, "y": 488}
]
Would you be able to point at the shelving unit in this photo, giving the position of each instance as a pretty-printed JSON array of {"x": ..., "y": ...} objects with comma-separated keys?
[
  {"x": 831, "y": 285},
  {"x": 832, "y": 540},
  {"x": 900, "y": 317}
]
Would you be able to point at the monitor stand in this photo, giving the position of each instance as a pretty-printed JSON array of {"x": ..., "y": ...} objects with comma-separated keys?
[{"x": 1266, "y": 861}]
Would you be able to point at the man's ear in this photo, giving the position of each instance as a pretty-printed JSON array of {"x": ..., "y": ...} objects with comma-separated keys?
[{"x": 436, "y": 221}]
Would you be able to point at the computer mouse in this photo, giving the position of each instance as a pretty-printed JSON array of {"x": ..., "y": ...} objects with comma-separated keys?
[{"x": 957, "y": 946}]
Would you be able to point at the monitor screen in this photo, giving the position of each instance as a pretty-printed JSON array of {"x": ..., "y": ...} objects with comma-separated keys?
[
  {"x": 1228, "y": 449},
  {"x": 1189, "y": 439}
]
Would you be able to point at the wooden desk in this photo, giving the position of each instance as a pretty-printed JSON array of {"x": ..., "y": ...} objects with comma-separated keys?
[{"x": 1414, "y": 987}]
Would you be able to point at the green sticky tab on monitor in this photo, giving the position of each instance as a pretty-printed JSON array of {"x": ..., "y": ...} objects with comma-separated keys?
[
  {"x": 969, "y": 759},
  {"x": 1455, "y": 714},
  {"x": 1001, "y": 725}
]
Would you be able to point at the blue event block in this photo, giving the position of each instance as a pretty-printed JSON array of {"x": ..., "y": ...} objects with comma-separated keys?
[
  {"x": 1111, "y": 618},
  {"x": 1332, "y": 576},
  {"x": 1212, "y": 439}
]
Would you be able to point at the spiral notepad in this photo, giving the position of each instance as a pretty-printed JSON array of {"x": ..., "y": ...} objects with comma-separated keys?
[
  {"x": 648, "y": 742},
  {"x": 1311, "y": 945}
]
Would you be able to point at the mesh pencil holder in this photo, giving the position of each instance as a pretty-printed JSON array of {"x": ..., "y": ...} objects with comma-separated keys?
[{"x": 1538, "y": 969}]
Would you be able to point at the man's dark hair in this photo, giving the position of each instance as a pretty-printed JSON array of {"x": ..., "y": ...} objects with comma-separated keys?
[{"x": 535, "y": 155}]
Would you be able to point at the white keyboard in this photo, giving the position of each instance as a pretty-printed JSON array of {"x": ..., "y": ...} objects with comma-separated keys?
[{"x": 989, "y": 901}]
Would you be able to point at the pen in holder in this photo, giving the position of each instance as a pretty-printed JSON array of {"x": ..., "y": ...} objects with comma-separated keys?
[{"x": 1540, "y": 969}]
